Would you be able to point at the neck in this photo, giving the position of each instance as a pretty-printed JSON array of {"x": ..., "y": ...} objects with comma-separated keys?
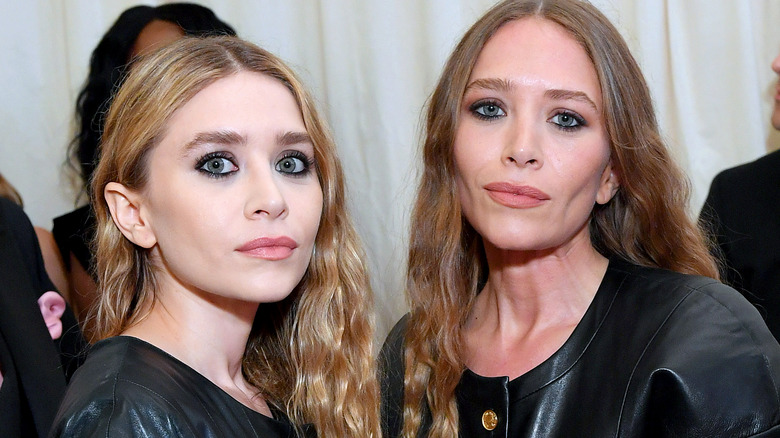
[
  {"x": 531, "y": 304},
  {"x": 536, "y": 289},
  {"x": 205, "y": 331}
]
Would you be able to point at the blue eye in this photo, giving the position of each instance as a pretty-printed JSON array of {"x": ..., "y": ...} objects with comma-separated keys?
[
  {"x": 487, "y": 110},
  {"x": 294, "y": 163},
  {"x": 567, "y": 120},
  {"x": 216, "y": 164}
]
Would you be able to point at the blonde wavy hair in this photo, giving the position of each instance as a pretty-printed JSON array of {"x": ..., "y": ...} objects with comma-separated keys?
[
  {"x": 647, "y": 222},
  {"x": 311, "y": 354}
]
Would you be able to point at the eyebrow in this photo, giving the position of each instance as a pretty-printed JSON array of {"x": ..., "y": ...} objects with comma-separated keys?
[
  {"x": 227, "y": 137},
  {"x": 490, "y": 84},
  {"x": 290, "y": 138},
  {"x": 503, "y": 85},
  {"x": 571, "y": 95},
  {"x": 215, "y": 137}
]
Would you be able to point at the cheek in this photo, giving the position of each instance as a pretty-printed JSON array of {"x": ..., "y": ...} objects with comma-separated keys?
[
  {"x": 191, "y": 212},
  {"x": 306, "y": 207},
  {"x": 467, "y": 158}
]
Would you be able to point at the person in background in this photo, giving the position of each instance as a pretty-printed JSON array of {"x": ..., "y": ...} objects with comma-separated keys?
[
  {"x": 137, "y": 30},
  {"x": 40, "y": 340},
  {"x": 742, "y": 212},
  {"x": 557, "y": 285},
  {"x": 55, "y": 266},
  {"x": 233, "y": 297}
]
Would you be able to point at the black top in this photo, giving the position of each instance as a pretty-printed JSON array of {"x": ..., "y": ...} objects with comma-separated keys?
[
  {"x": 74, "y": 232},
  {"x": 130, "y": 388},
  {"x": 743, "y": 210},
  {"x": 35, "y": 368},
  {"x": 657, "y": 354}
]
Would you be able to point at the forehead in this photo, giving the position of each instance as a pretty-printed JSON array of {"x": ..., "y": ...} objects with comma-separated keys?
[
  {"x": 537, "y": 51},
  {"x": 245, "y": 99}
]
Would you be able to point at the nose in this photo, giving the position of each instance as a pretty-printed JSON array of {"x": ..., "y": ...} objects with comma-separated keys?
[
  {"x": 265, "y": 198},
  {"x": 522, "y": 146},
  {"x": 776, "y": 64}
]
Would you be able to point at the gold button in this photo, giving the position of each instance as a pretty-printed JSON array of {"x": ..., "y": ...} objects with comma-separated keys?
[{"x": 489, "y": 420}]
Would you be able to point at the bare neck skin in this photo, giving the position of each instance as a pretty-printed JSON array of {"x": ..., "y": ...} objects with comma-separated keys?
[
  {"x": 530, "y": 306},
  {"x": 207, "y": 332}
]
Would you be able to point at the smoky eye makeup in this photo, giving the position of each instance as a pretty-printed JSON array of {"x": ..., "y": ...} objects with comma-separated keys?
[
  {"x": 218, "y": 164},
  {"x": 294, "y": 163},
  {"x": 568, "y": 120},
  {"x": 487, "y": 109}
]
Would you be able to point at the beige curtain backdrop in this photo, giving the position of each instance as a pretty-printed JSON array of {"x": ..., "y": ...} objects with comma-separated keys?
[{"x": 371, "y": 64}]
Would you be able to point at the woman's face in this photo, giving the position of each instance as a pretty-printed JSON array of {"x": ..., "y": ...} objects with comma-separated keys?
[
  {"x": 531, "y": 150},
  {"x": 233, "y": 202}
]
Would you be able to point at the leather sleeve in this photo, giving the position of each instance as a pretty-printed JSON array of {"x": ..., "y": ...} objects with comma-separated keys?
[{"x": 718, "y": 379}]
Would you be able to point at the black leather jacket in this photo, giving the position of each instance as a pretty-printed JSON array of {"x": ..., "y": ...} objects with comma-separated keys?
[
  {"x": 657, "y": 354},
  {"x": 130, "y": 388}
]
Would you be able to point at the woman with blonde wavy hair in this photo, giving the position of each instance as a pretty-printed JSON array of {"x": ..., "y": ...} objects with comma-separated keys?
[
  {"x": 557, "y": 285},
  {"x": 233, "y": 299}
]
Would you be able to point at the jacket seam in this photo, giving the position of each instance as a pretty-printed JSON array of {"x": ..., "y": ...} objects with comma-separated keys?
[
  {"x": 642, "y": 355},
  {"x": 113, "y": 389},
  {"x": 756, "y": 344},
  {"x": 698, "y": 291}
]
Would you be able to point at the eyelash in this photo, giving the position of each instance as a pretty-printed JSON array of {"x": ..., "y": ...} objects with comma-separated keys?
[
  {"x": 577, "y": 118},
  {"x": 308, "y": 163},
  {"x": 210, "y": 156},
  {"x": 474, "y": 107}
]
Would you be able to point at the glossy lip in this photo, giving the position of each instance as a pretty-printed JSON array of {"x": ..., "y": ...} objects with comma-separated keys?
[
  {"x": 516, "y": 196},
  {"x": 269, "y": 248}
]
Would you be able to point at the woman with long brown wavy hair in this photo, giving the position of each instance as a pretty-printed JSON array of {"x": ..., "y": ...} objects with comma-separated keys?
[
  {"x": 233, "y": 296},
  {"x": 557, "y": 284}
]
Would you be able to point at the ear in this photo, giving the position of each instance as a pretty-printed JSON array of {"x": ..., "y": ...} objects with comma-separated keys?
[
  {"x": 126, "y": 207},
  {"x": 52, "y": 307},
  {"x": 608, "y": 186}
]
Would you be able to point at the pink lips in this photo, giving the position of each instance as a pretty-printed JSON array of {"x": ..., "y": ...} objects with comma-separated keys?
[
  {"x": 516, "y": 196},
  {"x": 269, "y": 248}
]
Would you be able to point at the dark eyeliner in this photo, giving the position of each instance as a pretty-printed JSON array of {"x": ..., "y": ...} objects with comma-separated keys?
[
  {"x": 482, "y": 103},
  {"x": 210, "y": 156},
  {"x": 308, "y": 162},
  {"x": 581, "y": 123}
]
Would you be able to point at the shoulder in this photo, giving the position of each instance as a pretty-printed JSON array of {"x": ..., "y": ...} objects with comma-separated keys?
[
  {"x": 18, "y": 227},
  {"x": 394, "y": 341},
  {"x": 754, "y": 172},
  {"x": 702, "y": 304},
  {"x": 391, "y": 357},
  {"x": 391, "y": 378},
  {"x": 112, "y": 394},
  {"x": 705, "y": 352},
  {"x": 13, "y": 213}
]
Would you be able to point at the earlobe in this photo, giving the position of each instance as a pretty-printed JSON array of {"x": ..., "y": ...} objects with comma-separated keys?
[
  {"x": 610, "y": 183},
  {"x": 126, "y": 210}
]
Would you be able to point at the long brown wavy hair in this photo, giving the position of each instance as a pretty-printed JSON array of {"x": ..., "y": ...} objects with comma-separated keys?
[
  {"x": 646, "y": 222},
  {"x": 311, "y": 354}
]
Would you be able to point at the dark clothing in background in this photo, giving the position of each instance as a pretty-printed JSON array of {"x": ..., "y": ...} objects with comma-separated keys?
[
  {"x": 743, "y": 213},
  {"x": 73, "y": 233},
  {"x": 35, "y": 368}
]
